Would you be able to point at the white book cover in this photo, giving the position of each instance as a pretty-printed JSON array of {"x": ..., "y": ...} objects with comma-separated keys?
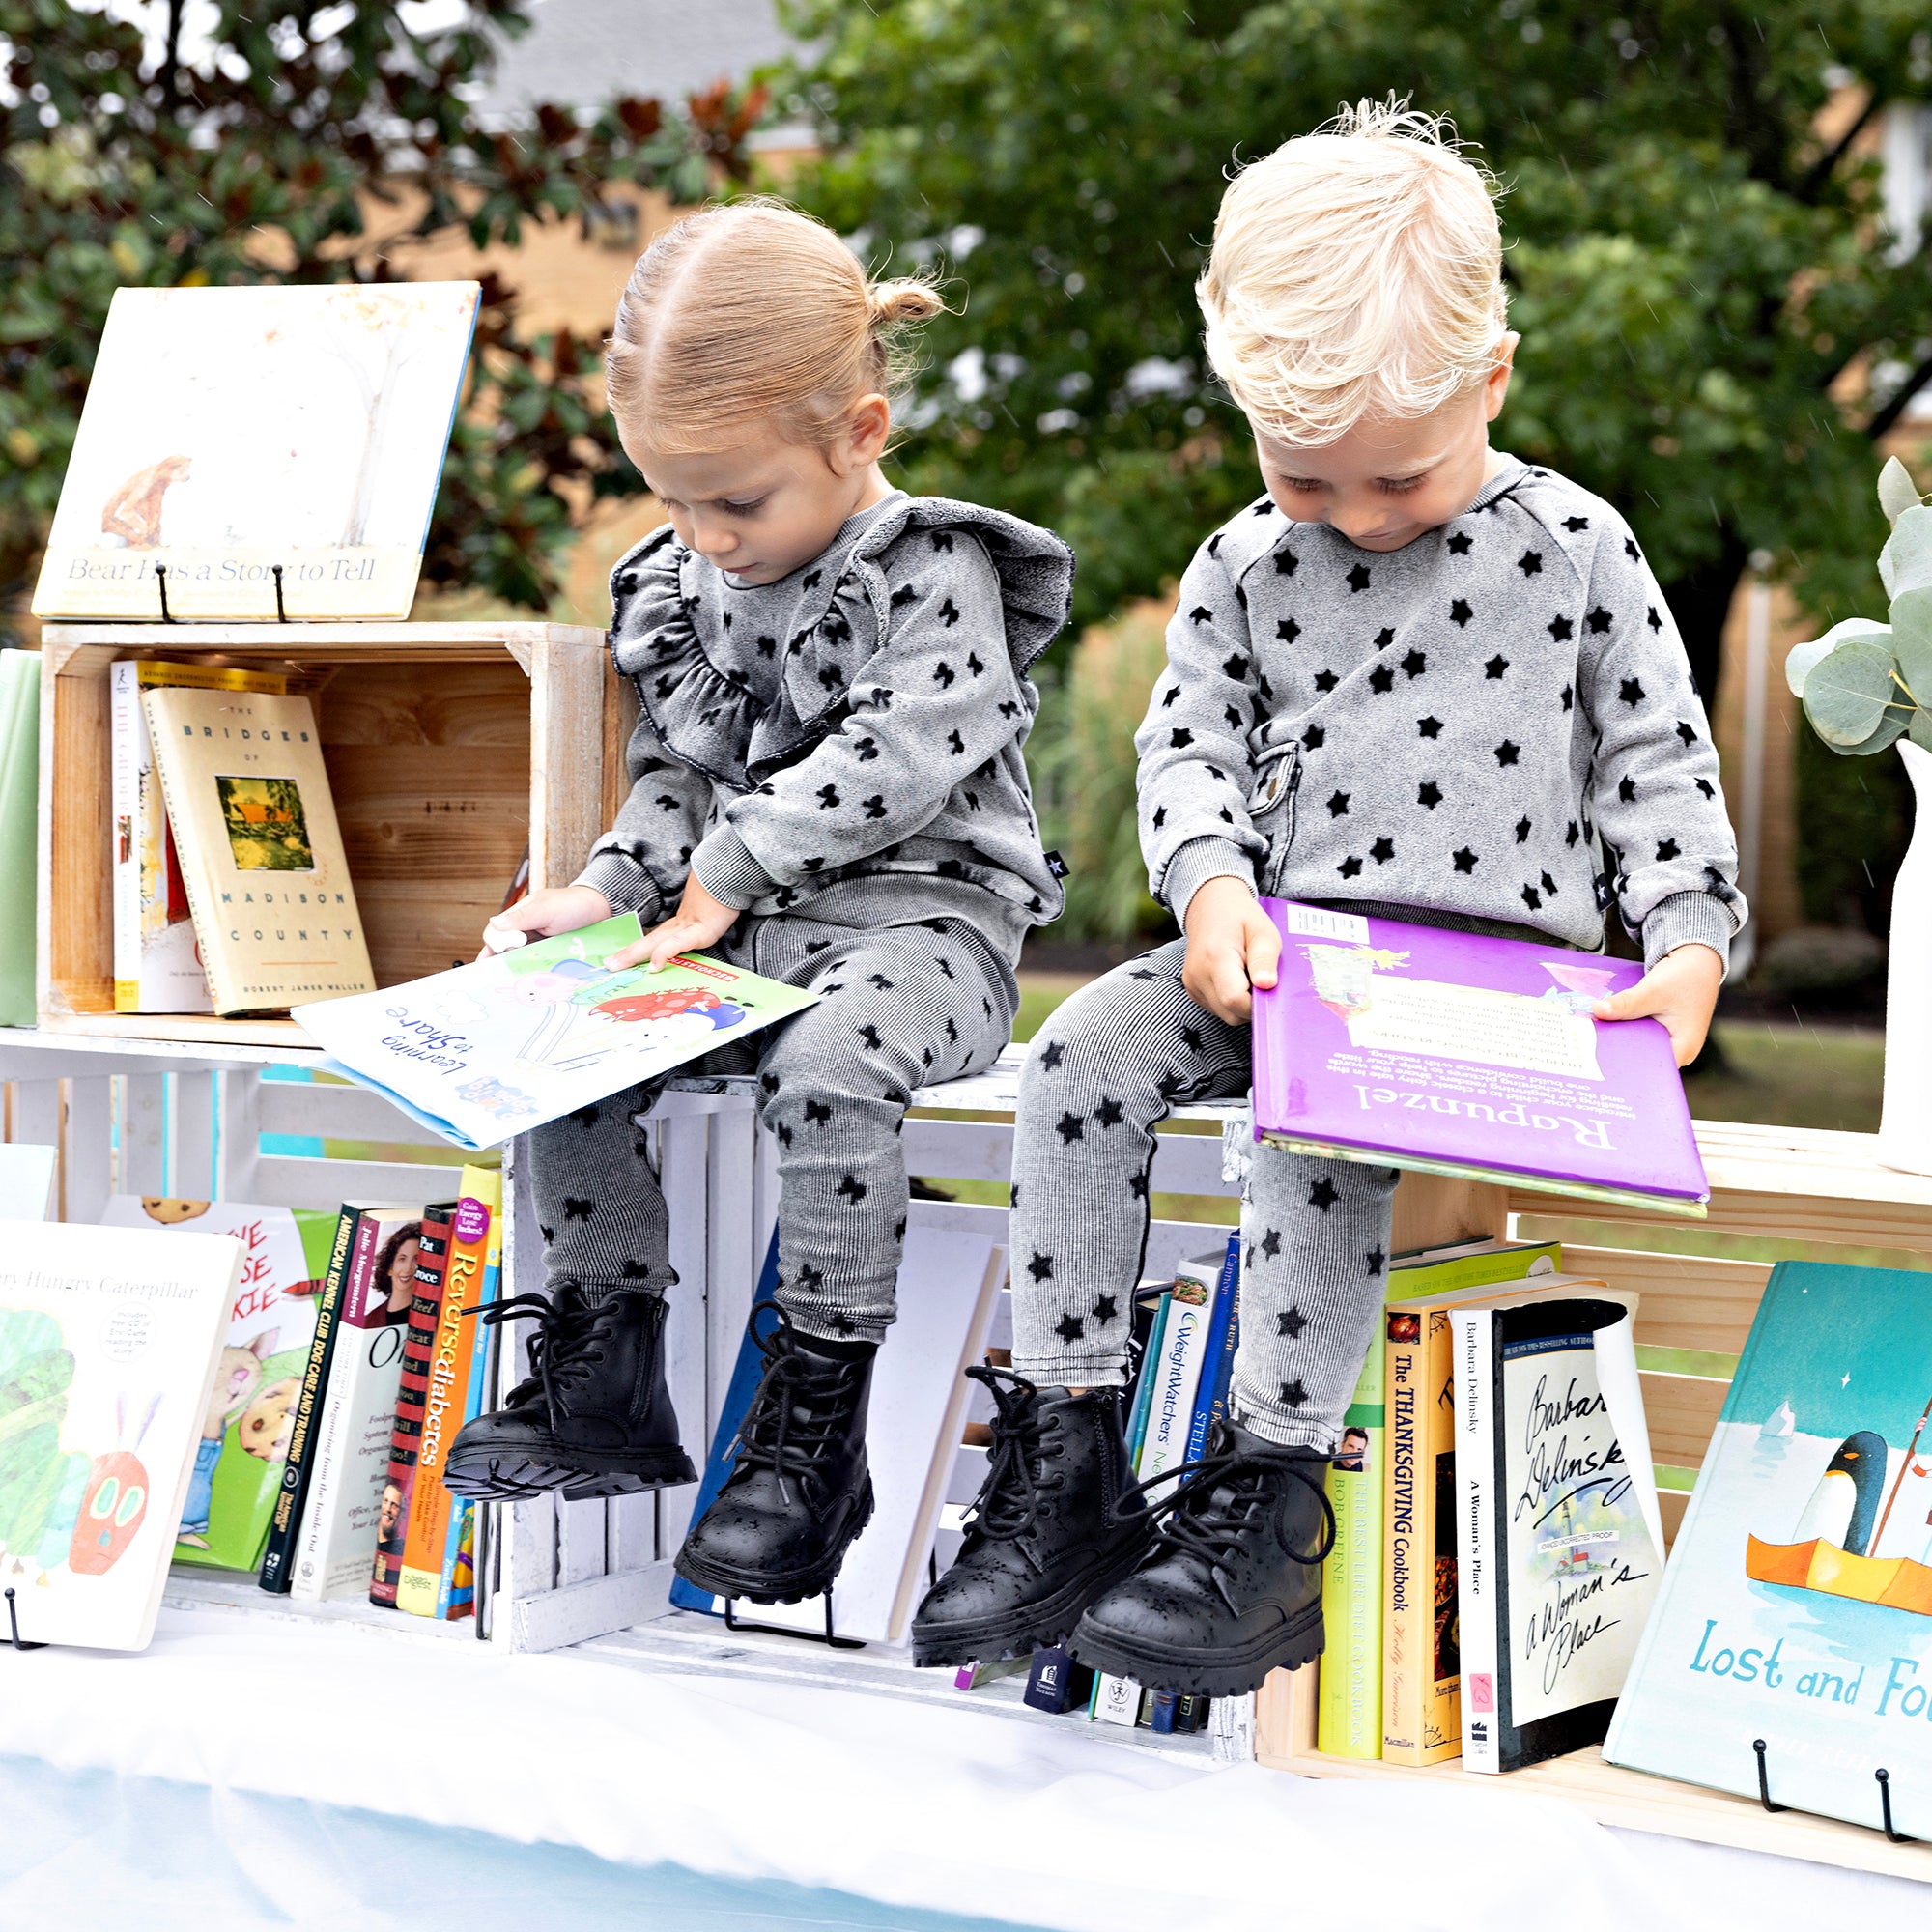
[
  {"x": 946, "y": 1286},
  {"x": 335, "y": 1544},
  {"x": 1117, "y": 1700},
  {"x": 1183, "y": 1351},
  {"x": 108, "y": 1341},
  {"x": 230, "y": 433}
]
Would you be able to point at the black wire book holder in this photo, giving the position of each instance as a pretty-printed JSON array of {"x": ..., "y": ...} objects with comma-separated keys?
[
  {"x": 169, "y": 617},
  {"x": 1881, "y": 1776},
  {"x": 13, "y": 1636}
]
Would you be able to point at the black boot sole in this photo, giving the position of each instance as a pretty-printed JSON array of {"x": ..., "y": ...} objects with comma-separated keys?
[
  {"x": 1031, "y": 1626},
  {"x": 1202, "y": 1673},
  {"x": 764, "y": 1586},
  {"x": 502, "y": 1476}
]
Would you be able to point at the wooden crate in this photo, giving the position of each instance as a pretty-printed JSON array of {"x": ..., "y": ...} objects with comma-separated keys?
[
  {"x": 448, "y": 747},
  {"x": 1693, "y": 1322}
]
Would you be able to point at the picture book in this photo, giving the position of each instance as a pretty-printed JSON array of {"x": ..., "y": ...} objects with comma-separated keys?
[
  {"x": 1477, "y": 1057},
  {"x": 248, "y": 1413},
  {"x": 1559, "y": 1542},
  {"x": 433, "y": 1510},
  {"x": 261, "y": 853},
  {"x": 1797, "y": 1607},
  {"x": 947, "y": 1283},
  {"x": 399, "y": 1479},
  {"x": 1421, "y": 1641},
  {"x": 1349, "y": 1708},
  {"x": 157, "y": 968},
  {"x": 349, "y": 1458},
  {"x": 19, "y": 822},
  {"x": 109, "y": 1338},
  {"x": 490, "y": 1049},
  {"x": 275, "y": 450}
]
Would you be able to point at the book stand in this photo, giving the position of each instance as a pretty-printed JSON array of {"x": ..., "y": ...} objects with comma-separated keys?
[
  {"x": 167, "y": 617},
  {"x": 738, "y": 1628},
  {"x": 13, "y": 1636}
]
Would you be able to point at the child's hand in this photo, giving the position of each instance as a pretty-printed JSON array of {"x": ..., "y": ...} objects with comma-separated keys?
[
  {"x": 1232, "y": 946},
  {"x": 699, "y": 921},
  {"x": 545, "y": 914},
  {"x": 1680, "y": 991}
]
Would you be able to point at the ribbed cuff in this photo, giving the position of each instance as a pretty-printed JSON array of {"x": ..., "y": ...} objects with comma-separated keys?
[
  {"x": 724, "y": 865},
  {"x": 624, "y": 883},
  {"x": 1688, "y": 919},
  {"x": 1070, "y": 1372},
  {"x": 1195, "y": 864}
]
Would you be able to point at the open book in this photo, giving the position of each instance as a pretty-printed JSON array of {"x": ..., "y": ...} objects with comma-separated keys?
[
  {"x": 1477, "y": 1057},
  {"x": 490, "y": 1049}
]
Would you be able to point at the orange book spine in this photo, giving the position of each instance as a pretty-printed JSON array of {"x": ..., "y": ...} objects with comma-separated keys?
[{"x": 448, "y": 1388}]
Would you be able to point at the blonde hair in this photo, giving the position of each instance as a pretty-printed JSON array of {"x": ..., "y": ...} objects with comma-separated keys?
[
  {"x": 1356, "y": 274},
  {"x": 752, "y": 312}
]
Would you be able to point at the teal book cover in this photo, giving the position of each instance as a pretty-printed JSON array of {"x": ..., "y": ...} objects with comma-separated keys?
[{"x": 1797, "y": 1605}]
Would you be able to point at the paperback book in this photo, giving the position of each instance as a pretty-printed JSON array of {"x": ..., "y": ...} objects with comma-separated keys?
[
  {"x": 1559, "y": 1542},
  {"x": 249, "y": 1414},
  {"x": 261, "y": 853},
  {"x": 275, "y": 451},
  {"x": 108, "y": 1339},
  {"x": 19, "y": 820},
  {"x": 1797, "y": 1608},
  {"x": 406, "y": 1428},
  {"x": 1476, "y": 1058},
  {"x": 493, "y": 1048}
]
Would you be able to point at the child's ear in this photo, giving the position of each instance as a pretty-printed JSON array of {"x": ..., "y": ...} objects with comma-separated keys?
[
  {"x": 869, "y": 429},
  {"x": 1496, "y": 385}
]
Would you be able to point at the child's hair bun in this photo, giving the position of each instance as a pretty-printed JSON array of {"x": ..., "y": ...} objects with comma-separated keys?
[{"x": 906, "y": 299}]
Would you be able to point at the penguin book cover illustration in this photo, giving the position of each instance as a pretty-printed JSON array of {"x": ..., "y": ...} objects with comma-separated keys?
[
  {"x": 1797, "y": 1605},
  {"x": 487, "y": 1050},
  {"x": 249, "y": 1413},
  {"x": 109, "y": 1343}
]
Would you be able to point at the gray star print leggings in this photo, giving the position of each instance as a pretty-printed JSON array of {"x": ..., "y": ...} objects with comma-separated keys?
[
  {"x": 901, "y": 1006},
  {"x": 1109, "y": 1064}
]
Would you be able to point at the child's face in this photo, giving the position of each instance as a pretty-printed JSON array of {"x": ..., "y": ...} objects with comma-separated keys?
[
  {"x": 765, "y": 507},
  {"x": 1384, "y": 483}
]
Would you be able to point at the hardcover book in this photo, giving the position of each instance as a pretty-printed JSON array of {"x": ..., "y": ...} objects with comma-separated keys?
[
  {"x": 1449, "y": 1053},
  {"x": 108, "y": 1342},
  {"x": 1174, "y": 1372},
  {"x": 1350, "y": 1722},
  {"x": 490, "y": 1049},
  {"x": 1559, "y": 1543},
  {"x": 248, "y": 1416},
  {"x": 349, "y": 1458},
  {"x": 1797, "y": 1608},
  {"x": 261, "y": 854},
  {"x": 275, "y": 450},
  {"x": 157, "y": 968}
]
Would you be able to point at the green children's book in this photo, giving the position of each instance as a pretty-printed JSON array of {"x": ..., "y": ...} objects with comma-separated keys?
[{"x": 249, "y": 1411}]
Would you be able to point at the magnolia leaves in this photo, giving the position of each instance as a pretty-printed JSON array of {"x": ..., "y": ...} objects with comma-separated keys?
[{"x": 1864, "y": 683}]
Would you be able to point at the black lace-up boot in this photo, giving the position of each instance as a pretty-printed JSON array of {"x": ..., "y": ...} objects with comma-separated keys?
[
  {"x": 1056, "y": 1522},
  {"x": 800, "y": 1487},
  {"x": 594, "y": 1418},
  {"x": 1232, "y": 1588}
]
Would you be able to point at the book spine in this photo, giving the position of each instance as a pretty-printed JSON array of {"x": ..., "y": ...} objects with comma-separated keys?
[
  {"x": 1177, "y": 1374},
  {"x": 1348, "y": 1720},
  {"x": 1211, "y": 1396},
  {"x": 333, "y": 1439},
  {"x": 213, "y": 958},
  {"x": 426, "y": 1556},
  {"x": 285, "y": 1522},
  {"x": 464, "y": 1544},
  {"x": 411, "y": 1397},
  {"x": 124, "y": 713},
  {"x": 1144, "y": 1385},
  {"x": 1405, "y": 1602},
  {"x": 1477, "y": 1549}
]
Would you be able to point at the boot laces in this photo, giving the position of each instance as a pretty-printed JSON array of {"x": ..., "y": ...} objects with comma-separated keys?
[
  {"x": 1224, "y": 1499},
  {"x": 568, "y": 1344},
  {"x": 800, "y": 1411},
  {"x": 1008, "y": 1503}
]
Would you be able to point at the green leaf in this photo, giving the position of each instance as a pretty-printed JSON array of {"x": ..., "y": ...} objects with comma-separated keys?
[
  {"x": 1898, "y": 720},
  {"x": 1904, "y": 563},
  {"x": 1920, "y": 729},
  {"x": 1897, "y": 493},
  {"x": 1797, "y": 665},
  {"x": 1846, "y": 694}
]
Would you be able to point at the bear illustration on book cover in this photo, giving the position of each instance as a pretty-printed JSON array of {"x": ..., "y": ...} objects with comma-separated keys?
[{"x": 1797, "y": 1608}]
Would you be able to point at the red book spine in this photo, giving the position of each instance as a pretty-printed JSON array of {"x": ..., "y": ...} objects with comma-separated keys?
[{"x": 405, "y": 1437}]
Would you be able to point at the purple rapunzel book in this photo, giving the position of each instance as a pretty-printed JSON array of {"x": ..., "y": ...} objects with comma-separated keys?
[{"x": 1472, "y": 1057}]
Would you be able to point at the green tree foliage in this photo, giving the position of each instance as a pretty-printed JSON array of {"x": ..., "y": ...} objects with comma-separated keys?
[
  {"x": 1715, "y": 325},
  {"x": 262, "y": 151}
]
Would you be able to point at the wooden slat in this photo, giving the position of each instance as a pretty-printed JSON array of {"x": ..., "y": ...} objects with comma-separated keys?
[
  {"x": 191, "y": 1148},
  {"x": 156, "y": 1030},
  {"x": 319, "y": 643},
  {"x": 76, "y": 916},
  {"x": 581, "y": 1541},
  {"x": 1672, "y": 1505},
  {"x": 1432, "y": 1211},
  {"x": 143, "y": 1134},
  {"x": 338, "y": 1113},
  {"x": 1689, "y": 1302},
  {"x": 568, "y": 675},
  {"x": 87, "y": 1149},
  {"x": 691, "y": 1340},
  {"x": 578, "y": 1611},
  {"x": 1682, "y": 1411},
  {"x": 282, "y": 1180}
]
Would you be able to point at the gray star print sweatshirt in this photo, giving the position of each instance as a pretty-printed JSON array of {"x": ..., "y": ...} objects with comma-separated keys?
[
  {"x": 846, "y": 741},
  {"x": 1467, "y": 725}
]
